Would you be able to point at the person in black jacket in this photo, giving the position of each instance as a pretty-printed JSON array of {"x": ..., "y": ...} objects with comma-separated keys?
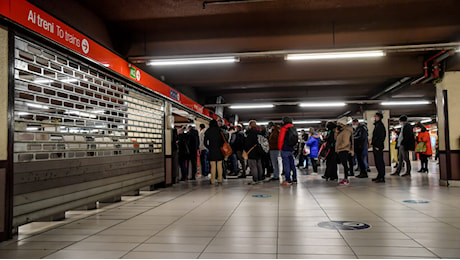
[
  {"x": 360, "y": 141},
  {"x": 194, "y": 146},
  {"x": 331, "y": 158},
  {"x": 184, "y": 153},
  {"x": 214, "y": 140},
  {"x": 255, "y": 152},
  {"x": 378, "y": 144},
  {"x": 406, "y": 143}
]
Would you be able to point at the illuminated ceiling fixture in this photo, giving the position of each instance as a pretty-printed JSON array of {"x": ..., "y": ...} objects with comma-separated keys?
[
  {"x": 307, "y": 122},
  {"x": 42, "y": 81},
  {"x": 193, "y": 61},
  {"x": 405, "y": 103},
  {"x": 426, "y": 121},
  {"x": 323, "y": 104},
  {"x": 335, "y": 55},
  {"x": 251, "y": 106}
]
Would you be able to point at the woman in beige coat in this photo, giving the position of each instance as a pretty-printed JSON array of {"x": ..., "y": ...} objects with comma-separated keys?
[{"x": 344, "y": 146}]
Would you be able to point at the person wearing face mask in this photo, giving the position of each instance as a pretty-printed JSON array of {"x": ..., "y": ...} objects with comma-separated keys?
[
  {"x": 360, "y": 142},
  {"x": 406, "y": 143}
]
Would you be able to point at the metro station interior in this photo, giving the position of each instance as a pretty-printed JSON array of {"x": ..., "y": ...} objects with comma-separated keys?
[{"x": 93, "y": 95}]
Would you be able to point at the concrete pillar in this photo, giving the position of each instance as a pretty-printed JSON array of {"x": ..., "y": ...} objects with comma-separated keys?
[
  {"x": 369, "y": 117},
  {"x": 447, "y": 96},
  {"x": 6, "y": 157},
  {"x": 169, "y": 126}
]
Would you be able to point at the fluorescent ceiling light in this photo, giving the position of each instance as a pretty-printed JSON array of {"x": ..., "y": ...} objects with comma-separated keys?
[
  {"x": 405, "y": 103},
  {"x": 32, "y": 128},
  {"x": 335, "y": 55},
  {"x": 251, "y": 106},
  {"x": 323, "y": 104},
  {"x": 426, "y": 121},
  {"x": 193, "y": 61},
  {"x": 70, "y": 80},
  {"x": 258, "y": 123},
  {"x": 307, "y": 122}
]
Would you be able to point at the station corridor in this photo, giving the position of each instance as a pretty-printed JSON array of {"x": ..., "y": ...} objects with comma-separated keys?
[{"x": 403, "y": 218}]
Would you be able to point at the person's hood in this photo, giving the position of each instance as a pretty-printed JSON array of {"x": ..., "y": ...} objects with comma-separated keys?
[
  {"x": 348, "y": 129},
  {"x": 316, "y": 135},
  {"x": 288, "y": 125}
]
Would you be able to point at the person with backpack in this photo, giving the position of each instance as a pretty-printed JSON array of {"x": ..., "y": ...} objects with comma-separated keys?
[
  {"x": 360, "y": 141},
  {"x": 238, "y": 147},
  {"x": 424, "y": 148},
  {"x": 255, "y": 153},
  {"x": 406, "y": 143},
  {"x": 287, "y": 140},
  {"x": 313, "y": 144}
]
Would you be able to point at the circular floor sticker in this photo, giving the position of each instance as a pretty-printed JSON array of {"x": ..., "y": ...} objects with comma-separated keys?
[
  {"x": 344, "y": 225},
  {"x": 416, "y": 201},
  {"x": 261, "y": 196}
]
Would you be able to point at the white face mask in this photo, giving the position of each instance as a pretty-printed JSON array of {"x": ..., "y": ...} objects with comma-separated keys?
[{"x": 355, "y": 126}]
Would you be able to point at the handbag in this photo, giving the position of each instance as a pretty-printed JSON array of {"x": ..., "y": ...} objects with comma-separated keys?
[
  {"x": 306, "y": 150},
  {"x": 421, "y": 147},
  {"x": 226, "y": 149},
  {"x": 246, "y": 154}
]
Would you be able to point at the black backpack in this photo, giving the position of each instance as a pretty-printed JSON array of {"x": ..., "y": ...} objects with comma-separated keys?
[{"x": 292, "y": 137}]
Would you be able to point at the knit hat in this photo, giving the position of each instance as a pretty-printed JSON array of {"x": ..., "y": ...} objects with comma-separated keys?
[
  {"x": 343, "y": 120},
  {"x": 287, "y": 120}
]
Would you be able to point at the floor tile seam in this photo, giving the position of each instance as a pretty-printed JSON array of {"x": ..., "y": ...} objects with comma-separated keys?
[
  {"x": 408, "y": 207},
  {"x": 175, "y": 221},
  {"x": 126, "y": 202},
  {"x": 327, "y": 215},
  {"x": 231, "y": 214},
  {"x": 110, "y": 207},
  {"x": 370, "y": 210}
]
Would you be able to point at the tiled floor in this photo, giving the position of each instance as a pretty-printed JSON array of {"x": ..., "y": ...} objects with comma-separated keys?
[{"x": 195, "y": 220}]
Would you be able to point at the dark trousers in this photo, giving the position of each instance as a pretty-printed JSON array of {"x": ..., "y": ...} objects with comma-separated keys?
[
  {"x": 343, "y": 157},
  {"x": 360, "y": 159},
  {"x": 183, "y": 163},
  {"x": 255, "y": 165},
  {"x": 314, "y": 164},
  {"x": 204, "y": 162},
  {"x": 424, "y": 161},
  {"x": 331, "y": 166},
  {"x": 379, "y": 163},
  {"x": 194, "y": 164}
]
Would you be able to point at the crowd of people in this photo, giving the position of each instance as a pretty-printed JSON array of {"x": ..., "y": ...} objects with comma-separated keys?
[{"x": 257, "y": 150}]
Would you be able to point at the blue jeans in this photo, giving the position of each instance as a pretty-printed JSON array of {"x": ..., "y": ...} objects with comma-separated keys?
[
  {"x": 274, "y": 155},
  {"x": 204, "y": 163},
  {"x": 235, "y": 163},
  {"x": 289, "y": 165}
]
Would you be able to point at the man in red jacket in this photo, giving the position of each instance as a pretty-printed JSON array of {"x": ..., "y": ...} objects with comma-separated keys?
[{"x": 286, "y": 143}]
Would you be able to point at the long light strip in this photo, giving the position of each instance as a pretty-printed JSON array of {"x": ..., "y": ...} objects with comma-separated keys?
[
  {"x": 307, "y": 122},
  {"x": 335, "y": 55},
  {"x": 193, "y": 61},
  {"x": 251, "y": 106},
  {"x": 405, "y": 103},
  {"x": 323, "y": 104}
]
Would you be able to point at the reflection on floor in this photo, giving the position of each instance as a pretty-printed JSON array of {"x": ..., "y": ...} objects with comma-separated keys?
[{"x": 196, "y": 220}]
